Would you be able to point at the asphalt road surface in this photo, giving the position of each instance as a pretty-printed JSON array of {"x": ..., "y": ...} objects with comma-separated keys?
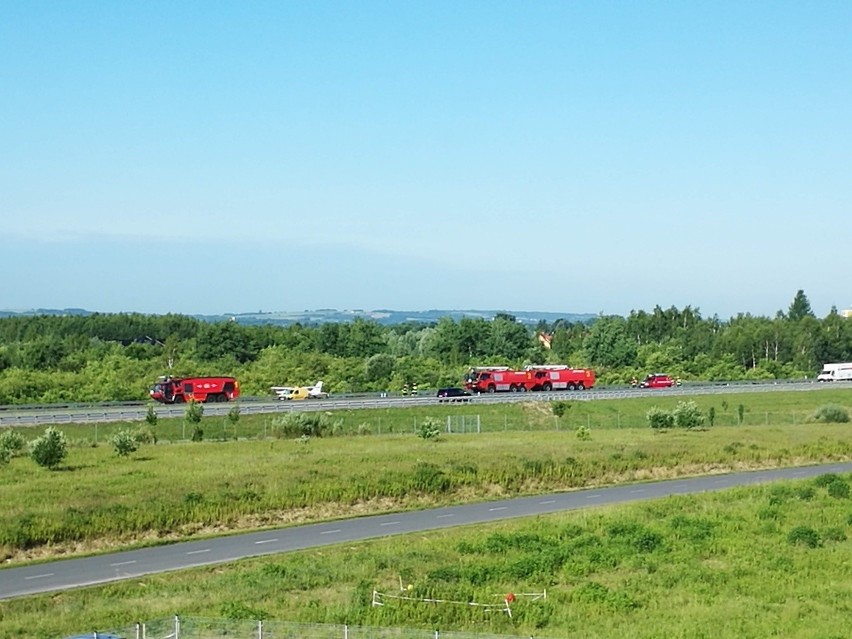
[{"x": 87, "y": 571}]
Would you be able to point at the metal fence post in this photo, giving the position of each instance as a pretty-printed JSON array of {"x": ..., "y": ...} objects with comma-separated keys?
[{"x": 345, "y": 631}]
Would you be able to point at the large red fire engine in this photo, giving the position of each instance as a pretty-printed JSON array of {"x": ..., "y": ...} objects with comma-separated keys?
[
  {"x": 171, "y": 390},
  {"x": 492, "y": 379}
]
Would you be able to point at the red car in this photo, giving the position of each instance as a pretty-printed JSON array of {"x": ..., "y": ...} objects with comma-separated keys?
[{"x": 657, "y": 380}]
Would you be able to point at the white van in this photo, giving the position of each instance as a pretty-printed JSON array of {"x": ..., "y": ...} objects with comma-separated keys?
[{"x": 836, "y": 372}]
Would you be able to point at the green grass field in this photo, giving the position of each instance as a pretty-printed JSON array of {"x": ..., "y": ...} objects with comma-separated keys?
[
  {"x": 752, "y": 562},
  {"x": 758, "y": 562},
  {"x": 168, "y": 491}
]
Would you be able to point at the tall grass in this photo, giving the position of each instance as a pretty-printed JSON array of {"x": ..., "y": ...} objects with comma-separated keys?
[
  {"x": 743, "y": 563},
  {"x": 169, "y": 491}
]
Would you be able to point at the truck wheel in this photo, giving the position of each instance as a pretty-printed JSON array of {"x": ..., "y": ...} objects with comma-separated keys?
[
  {"x": 547, "y": 387},
  {"x": 522, "y": 389},
  {"x": 570, "y": 386},
  {"x": 492, "y": 388},
  {"x": 179, "y": 399},
  {"x": 513, "y": 389},
  {"x": 581, "y": 386}
]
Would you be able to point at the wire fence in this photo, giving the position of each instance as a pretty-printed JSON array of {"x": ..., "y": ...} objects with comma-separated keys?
[
  {"x": 458, "y": 423},
  {"x": 200, "y": 628}
]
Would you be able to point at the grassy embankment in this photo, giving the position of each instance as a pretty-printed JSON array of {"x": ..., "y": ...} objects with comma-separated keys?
[
  {"x": 168, "y": 491},
  {"x": 744, "y": 563}
]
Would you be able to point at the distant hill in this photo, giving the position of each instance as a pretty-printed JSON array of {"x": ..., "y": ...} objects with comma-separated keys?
[{"x": 329, "y": 315}]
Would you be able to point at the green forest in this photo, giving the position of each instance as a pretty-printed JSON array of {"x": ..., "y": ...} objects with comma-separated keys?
[{"x": 116, "y": 357}]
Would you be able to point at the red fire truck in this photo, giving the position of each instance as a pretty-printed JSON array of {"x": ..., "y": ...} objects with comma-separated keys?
[
  {"x": 560, "y": 377},
  {"x": 493, "y": 379},
  {"x": 172, "y": 390}
]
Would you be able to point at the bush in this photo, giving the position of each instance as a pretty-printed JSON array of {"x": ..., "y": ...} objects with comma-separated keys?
[
  {"x": 145, "y": 435},
  {"x": 804, "y": 536},
  {"x": 234, "y": 415},
  {"x": 659, "y": 418},
  {"x": 831, "y": 414},
  {"x": 197, "y": 433},
  {"x": 303, "y": 424},
  {"x": 687, "y": 415},
  {"x": 12, "y": 442},
  {"x": 584, "y": 433},
  {"x": 151, "y": 416},
  {"x": 124, "y": 443},
  {"x": 560, "y": 408},
  {"x": 50, "y": 449},
  {"x": 194, "y": 412},
  {"x": 364, "y": 429},
  {"x": 838, "y": 489},
  {"x": 826, "y": 479},
  {"x": 5, "y": 456},
  {"x": 429, "y": 428}
]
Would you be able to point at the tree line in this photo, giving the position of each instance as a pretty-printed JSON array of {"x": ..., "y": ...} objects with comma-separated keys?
[{"x": 116, "y": 357}]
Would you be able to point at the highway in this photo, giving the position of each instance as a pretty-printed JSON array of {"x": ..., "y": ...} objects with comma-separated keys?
[
  {"x": 86, "y": 571},
  {"x": 136, "y": 411}
]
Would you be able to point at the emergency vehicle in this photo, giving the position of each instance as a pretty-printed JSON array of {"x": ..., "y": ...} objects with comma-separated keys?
[
  {"x": 493, "y": 379},
  {"x": 172, "y": 390}
]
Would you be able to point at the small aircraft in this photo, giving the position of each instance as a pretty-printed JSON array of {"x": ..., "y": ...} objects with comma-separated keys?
[{"x": 300, "y": 392}]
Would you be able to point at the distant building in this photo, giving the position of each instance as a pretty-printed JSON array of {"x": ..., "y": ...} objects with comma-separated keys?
[{"x": 846, "y": 313}]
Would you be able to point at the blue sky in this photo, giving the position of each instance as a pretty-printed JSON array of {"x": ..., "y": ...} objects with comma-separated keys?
[{"x": 207, "y": 157}]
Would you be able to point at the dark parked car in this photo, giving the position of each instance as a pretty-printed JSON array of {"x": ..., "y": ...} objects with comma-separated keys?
[{"x": 453, "y": 395}]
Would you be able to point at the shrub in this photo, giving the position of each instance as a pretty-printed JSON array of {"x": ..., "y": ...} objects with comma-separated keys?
[
  {"x": 838, "y": 489},
  {"x": 659, "y": 418},
  {"x": 151, "y": 416},
  {"x": 237, "y": 611},
  {"x": 687, "y": 415},
  {"x": 560, "y": 408},
  {"x": 234, "y": 415},
  {"x": 364, "y": 429},
  {"x": 806, "y": 493},
  {"x": 124, "y": 443},
  {"x": 12, "y": 442},
  {"x": 194, "y": 412},
  {"x": 303, "y": 424},
  {"x": 831, "y": 414},
  {"x": 711, "y": 416},
  {"x": 145, "y": 435},
  {"x": 5, "y": 456},
  {"x": 804, "y": 536},
  {"x": 50, "y": 449},
  {"x": 826, "y": 479},
  {"x": 429, "y": 428},
  {"x": 197, "y": 433},
  {"x": 584, "y": 433}
]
